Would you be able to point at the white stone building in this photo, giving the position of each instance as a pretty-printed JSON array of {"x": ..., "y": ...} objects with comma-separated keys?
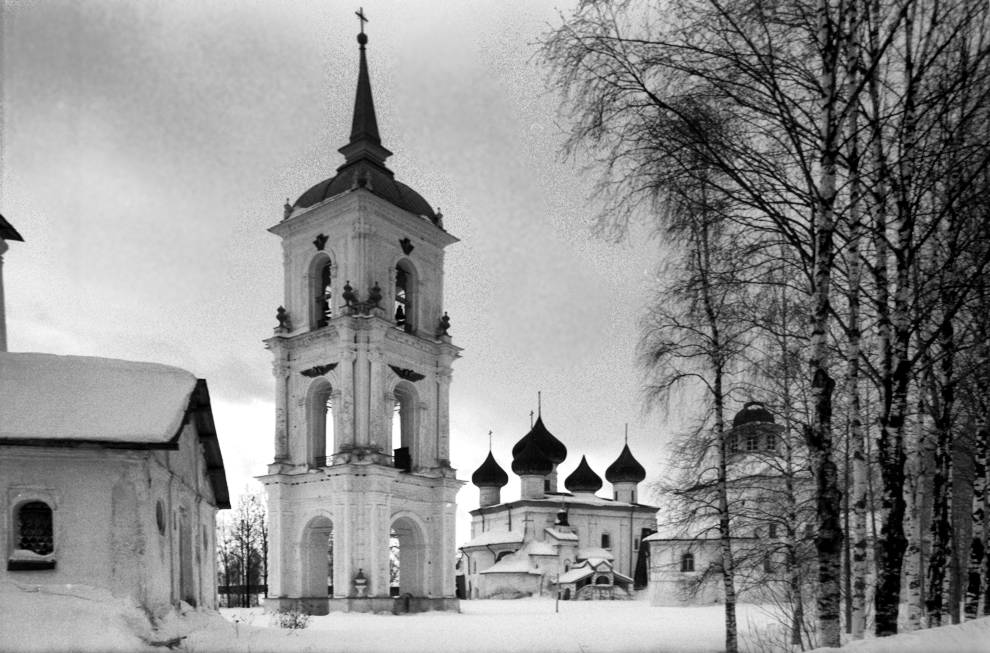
[
  {"x": 363, "y": 370},
  {"x": 685, "y": 558},
  {"x": 582, "y": 544},
  {"x": 110, "y": 476}
]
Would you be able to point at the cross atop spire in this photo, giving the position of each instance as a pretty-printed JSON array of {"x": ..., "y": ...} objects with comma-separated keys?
[
  {"x": 489, "y": 440},
  {"x": 539, "y": 403},
  {"x": 365, "y": 142},
  {"x": 360, "y": 14},
  {"x": 627, "y": 432}
]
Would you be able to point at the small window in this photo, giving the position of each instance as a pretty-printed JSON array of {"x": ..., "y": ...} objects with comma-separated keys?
[
  {"x": 733, "y": 443},
  {"x": 636, "y": 544},
  {"x": 753, "y": 442},
  {"x": 34, "y": 540},
  {"x": 767, "y": 565},
  {"x": 773, "y": 530},
  {"x": 606, "y": 541},
  {"x": 687, "y": 562},
  {"x": 160, "y": 516},
  {"x": 546, "y": 485},
  {"x": 34, "y": 528}
]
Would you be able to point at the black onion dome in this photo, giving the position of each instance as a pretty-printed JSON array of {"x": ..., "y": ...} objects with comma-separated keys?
[
  {"x": 490, "y": 474},
  {"x": 530, "y": 460},
  {"x": 372, "y": 177},
  {"x": 753, "y": 412},
  {"x": 551, "y": 447},
  {"x": 583, "y": 479},
  {"x": 625, "y": 469}
]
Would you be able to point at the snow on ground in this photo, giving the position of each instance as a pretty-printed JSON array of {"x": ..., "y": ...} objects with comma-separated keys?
[
  {"x": 482, "y": 626},
  {"x": 81, "y": 618},
  {"x": 970, "y": 637}
]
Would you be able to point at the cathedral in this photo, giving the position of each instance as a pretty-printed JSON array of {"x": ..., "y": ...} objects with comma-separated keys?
[
  {"x": 361, "y": 484},
  {"x": 574, "y": 543}
]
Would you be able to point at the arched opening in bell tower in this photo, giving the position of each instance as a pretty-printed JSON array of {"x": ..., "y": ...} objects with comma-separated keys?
[
  {"x": 316, "y": 551},
  {"x": 404, "y": 425},
  {"x": 321, "y": 423},
  {"x": 320, "y": 291},
  {"x": 408, "y": 564},
  {"x": 405, "y": 296}
]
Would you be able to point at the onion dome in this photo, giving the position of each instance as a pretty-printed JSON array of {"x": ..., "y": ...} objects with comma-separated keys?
[
  {"x": 625, "y": 469},
  {"x": 530, "y": 460},
  {"x": 552, "y": 448},
  {"x": 583, "y": 479},
  {"x": 752, "y": 412},
  {"x": 490, "y": 474}
]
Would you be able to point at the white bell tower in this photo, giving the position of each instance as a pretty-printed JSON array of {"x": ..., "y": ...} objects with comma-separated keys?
[{"x": 363, "y": 368}]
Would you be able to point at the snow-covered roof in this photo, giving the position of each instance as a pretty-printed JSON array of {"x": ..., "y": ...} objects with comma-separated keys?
[
  {"x": 49, "y": 397},
  {"x": 495, "y": 537},
  {"x": 594, "y": 552},
  {"x": 558, "y": 534},
  {"x": 561, "y": 499},
  {"x": 536, "y": 548},
  {"x": 575, "y": 574},
  {"x": 512, "y": 564},
  {"x": 51, "y": 400}
]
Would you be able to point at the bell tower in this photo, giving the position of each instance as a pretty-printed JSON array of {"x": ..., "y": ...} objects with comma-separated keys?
[{"x": 361, "y": 490}]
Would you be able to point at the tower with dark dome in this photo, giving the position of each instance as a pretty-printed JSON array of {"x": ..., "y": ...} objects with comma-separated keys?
[
  {"x": 490, "y": 478},
  {"x": 362, "y": 371},
  {"x": 625, "y": 474}
]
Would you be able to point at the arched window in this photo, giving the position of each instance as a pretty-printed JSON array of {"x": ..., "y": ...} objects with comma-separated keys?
[
  {"x": 321, "y": 422},
  {"x": 687, "y": 562},
  {"x": 404, "y": 426},
  {"x": 34, "y": 528},
  {"x": 606, "y": 541},
  {"x": 321, "y": 291},
  {"x": 602, "y": 580},
  {"x": 405, "y": 297}
]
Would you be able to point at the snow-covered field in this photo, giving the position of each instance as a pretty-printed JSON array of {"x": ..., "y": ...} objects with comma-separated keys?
[{"x": 79, "y": 618}]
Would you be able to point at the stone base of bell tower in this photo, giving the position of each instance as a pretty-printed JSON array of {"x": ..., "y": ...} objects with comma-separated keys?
[{"x": 375, "y": 604}]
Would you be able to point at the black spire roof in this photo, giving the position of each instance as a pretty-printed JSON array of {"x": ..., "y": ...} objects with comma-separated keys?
[
  {"x": 7, "y": 231},
  {"x": 364, "y": 158},
  {"x": 551, "y": 447},
  {"x": 530, "y": 459},
  {"x": 752, "y": 412},
  {"x": 583, "y": 479},
  {"x": 625, "y": 469},
  {"x": 490, "y": 474}
]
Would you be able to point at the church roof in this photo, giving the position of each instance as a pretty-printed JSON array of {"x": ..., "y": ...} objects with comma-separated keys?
[
  {"x": 552, "y": 448},
  {"x": 495, "y": 537},
  {"x": 753, "y": 412},
  {"x": 68, "y": 401},
  {"x": 7, "y": 231},
  {"x": 364, "y": 158},
  {"x": 490, "y": 474},
  {"x": 625, "y": 469},
  {"x": 583, "y": 479}
]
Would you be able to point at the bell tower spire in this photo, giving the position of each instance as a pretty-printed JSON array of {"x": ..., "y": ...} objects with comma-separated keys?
[{"x": 365, "y": 142}]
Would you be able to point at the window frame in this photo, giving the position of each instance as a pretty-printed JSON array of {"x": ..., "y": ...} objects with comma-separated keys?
[
  {"x": 19, "y": 558},
  {"x": 687, "y": 563}
]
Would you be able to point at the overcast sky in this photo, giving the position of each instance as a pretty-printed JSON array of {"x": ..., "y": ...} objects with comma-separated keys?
[{"x": 148, "y": 146}]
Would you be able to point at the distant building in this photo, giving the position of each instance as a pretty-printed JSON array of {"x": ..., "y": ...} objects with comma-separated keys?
[
  {"x": 685, "y": 560},
  {"x": 584, "y": 545},
  {"x": 110, "y": 476}
]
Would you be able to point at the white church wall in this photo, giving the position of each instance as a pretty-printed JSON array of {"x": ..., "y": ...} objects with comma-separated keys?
[{"x": 105, "y": 518}]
